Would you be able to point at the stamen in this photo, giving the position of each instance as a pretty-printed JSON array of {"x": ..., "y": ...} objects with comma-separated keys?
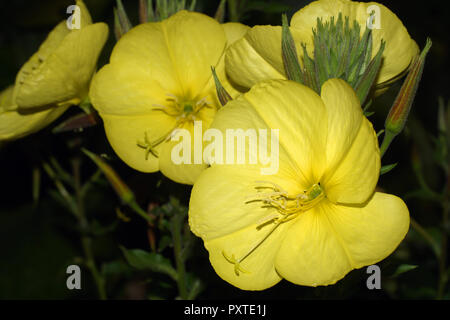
[
  {"x": 287, "y": 208},
  {"x": 150, "y": 146}
]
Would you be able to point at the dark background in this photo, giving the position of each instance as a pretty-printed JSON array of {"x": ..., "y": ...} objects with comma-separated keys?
[{"x": 39, "y": 239}]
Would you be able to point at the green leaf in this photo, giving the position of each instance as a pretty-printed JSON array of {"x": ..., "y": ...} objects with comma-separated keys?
[
  {"x": 151, "y": 261},
  {"x": 403, "y": 268},
  {"x": 387, "y": 168}
]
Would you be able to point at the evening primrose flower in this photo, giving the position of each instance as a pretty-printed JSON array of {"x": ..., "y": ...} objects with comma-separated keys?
[
  {"x": 54, "y": 78},
  {"x": 258, "y": 56},
  {"x": 15, "y": 125},
  {"x": 316, "y": 219},
  {"x": 61, "y": 70},
  {"x": 159, "y": 79}
]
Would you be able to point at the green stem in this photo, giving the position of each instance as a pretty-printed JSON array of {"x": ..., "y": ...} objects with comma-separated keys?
[
  {"x": 388, "y": 137},
  {"x": 421, "y": 230},
  {"x": 86, "y": 240},
  {"x": 179, "y": 261},
  {"x": 443, "y": 276},
  {"x": 233, "y": 11},
  {"x": 133, "y": 205}
]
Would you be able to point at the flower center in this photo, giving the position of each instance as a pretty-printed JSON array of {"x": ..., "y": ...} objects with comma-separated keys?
[
  {"x": 287, "y": 208},
  {"x": 184, "y": 111}
]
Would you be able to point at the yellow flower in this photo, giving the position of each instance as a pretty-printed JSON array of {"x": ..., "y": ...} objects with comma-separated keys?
[
  {"x": 55, "y": 77},
  {"x": 61, "y": 70},
  {"x": 159, "y": 79},
  {"x": 319, "y": 216},
  {"x": 258, "y": 57},
  {"x": 15, "y": 125}
]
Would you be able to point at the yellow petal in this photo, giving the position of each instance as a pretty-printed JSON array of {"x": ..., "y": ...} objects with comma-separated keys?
[
  {"x": 15, "y": 125},
  {"x": 228, "y": 208},
  {"x": 116, "y": 90},
  {"x": 177, "y": 52},
  {"x": 257, "y": 270},
  {"x": 327, "y": 242},
  {"x": 355, "y": 178},
  {"x": 234, "y": 31},
  {"x": 300, "y": 115},
  {"x": 186, "y": 173},
  {"x": 353, "y": 159},
  {"x": 246, "y": 66},
  {"x": 196, "y": 42},
  {"x": 400, "y": 48},
  {"x": 124, "y": 133},
  {"x": 84, "y": 14},
  {"x": 64, "y": 73}
]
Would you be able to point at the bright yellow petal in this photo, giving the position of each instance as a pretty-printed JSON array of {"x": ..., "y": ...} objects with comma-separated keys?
[
  {"x": 116, "y": 90},
  {"x": 311, "y": 254},
  {"x": 186, "y": 173},
  {"x": 327, "y": 242},
  {"x": 355, "y": 179},
  {"x": 353, "y": 159},
  {"x": 257, "y": 270},
  {"x": 65, "y": 73},
  {"x": 227, "y": 208},
  {"x": 124, "y": 133},
  {"x": 371, "y": 232},
  {"x": 300, "y": 115},
  {"x": 400, "y": 48},
  {"x": 246, "y": 66},
  {"x": 234, "y": 31},
  {"x": 196, "y": 42},
  {"x": 344, "y": 119},
  {"x": 177, "y": 52}
]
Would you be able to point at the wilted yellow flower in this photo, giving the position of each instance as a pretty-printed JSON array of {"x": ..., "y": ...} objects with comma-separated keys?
[
  {"x": 55, "y": 77},
  {"x": 15, "y": 125},
  {"x": 61, "y": 70},
  {"x": 319, "y": 216},
  {"x": 159, "y": 79},
  {"x": 258, "y": 55}
]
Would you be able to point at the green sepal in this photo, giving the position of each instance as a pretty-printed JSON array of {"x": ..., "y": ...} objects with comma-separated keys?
[{"x": 289, "y": 53}]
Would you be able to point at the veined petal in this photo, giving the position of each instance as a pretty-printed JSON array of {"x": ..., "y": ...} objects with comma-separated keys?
[
  {"x": 65, "y": 73},
  {"x": 356, "y": 176},
  {"x": 125, "y": 132},
  {"x": 400, "y": 48},
  {"x": 196, "y": 42},
  {"x": 327, "y": 242},
  {"x": 234, "y": 31},
  {"x": 246, "y": 66},
  {"x": 311, "y": 254},
  {"x": 230, "y": 206},
  {"x": 300, "y": 115},
  {"x": 177, "y": 52},
  {"x": 353, "y": 159},
  {"x": 117, "y": 91},
  {"x": 186, "y": 173},
  {"x": 372, "y": 231},
  {"x": 257, "y": 270},
  {"x": 344, "y": 119},
  {"x": 144, "y": 50}
]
